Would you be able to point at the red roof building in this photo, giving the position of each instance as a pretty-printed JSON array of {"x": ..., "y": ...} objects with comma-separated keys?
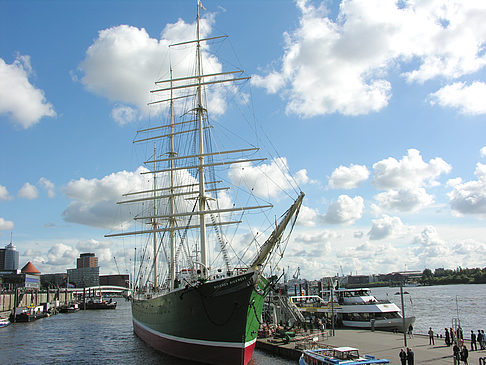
[{"x": 29, "y": 268}]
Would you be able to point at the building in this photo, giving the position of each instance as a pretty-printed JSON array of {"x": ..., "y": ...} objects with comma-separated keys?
[
  {"x": 84, "y": 276},
  {"x": 115, "y": 280},
  {"x": 57, "y": 280},
  {"x": 9, "y": 259},
  {"x": 87, "y": 260},
  {"x": 29, "y": 278},
  {"x": 87, "y": 272}
]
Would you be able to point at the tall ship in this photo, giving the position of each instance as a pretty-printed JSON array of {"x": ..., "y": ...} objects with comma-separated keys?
[{"x": 198, "y": 284}]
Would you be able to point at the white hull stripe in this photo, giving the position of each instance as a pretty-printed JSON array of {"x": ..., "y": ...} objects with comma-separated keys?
[{"x": 195, "y": 342}]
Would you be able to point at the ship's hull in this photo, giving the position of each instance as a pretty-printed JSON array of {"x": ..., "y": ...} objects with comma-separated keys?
[{"x": 215, "y": 322}]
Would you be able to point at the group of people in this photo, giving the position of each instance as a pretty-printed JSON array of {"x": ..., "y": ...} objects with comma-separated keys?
[
  {"x": 459, "y": 349},
  {"x": 406, "y": 357},
  {"x": 453, "y": 337},
  {"x": 460, "y": 353},
  {"x": 480, "y": 339}
]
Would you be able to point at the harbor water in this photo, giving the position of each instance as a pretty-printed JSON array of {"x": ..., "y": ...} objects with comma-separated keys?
[
  {"x": 106, "y": 336},
  {"x": 88, "y": 337},
  {"x": 437, "y": 306}
]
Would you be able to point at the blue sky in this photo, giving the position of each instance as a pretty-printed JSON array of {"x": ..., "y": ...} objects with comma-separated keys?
[{"x": 378, "y": 109}]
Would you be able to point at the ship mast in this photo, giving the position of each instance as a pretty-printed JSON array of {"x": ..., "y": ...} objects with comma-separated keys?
[
  {"x": 154, "y": 221},
  {"x": 202, "y": 193},
  {"x": 172, "y": 154},
  {"x": 176, "y": 189}
]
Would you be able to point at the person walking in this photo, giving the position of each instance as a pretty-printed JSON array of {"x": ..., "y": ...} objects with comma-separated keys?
[
  {"x": 474, "y": 346},
  {"x": 403, "y": 357},
  {"x": 410, "y": 356},
  {"x": 410, "y": 331},
  {"x": 464, "y": 354},
  {"x": 480, "y": 340},
  {"x": 483, "y": 341},
  {"x": 431, "y": 337},
  {"x": 447, "y": 338},
  {"x": 456, "y": 354}
]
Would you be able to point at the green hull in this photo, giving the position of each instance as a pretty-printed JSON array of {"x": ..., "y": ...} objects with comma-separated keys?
[{"x": 205, "y": 322}]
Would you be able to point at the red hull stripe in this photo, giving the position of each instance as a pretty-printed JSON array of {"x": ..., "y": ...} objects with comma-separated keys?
[
  {"x": 211, "y": 352},
  {"x": 193, "y": 341}
]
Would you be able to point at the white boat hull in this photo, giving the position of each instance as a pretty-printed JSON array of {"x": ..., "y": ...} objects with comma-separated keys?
[{"x": 382, "y": 324}]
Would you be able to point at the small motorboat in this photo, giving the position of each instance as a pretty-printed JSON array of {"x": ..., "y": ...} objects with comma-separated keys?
[
  {"x": 100, "y": 303},
  {"x": 338, "y": 355},
  {"x": 70, "y": 308},
  {"x": 4, "y": 322}
]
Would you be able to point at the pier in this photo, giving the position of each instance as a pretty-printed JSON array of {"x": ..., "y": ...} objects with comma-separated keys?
[
  {"x": 383, "y": 345},
  {"x": 28, "y": 298}
]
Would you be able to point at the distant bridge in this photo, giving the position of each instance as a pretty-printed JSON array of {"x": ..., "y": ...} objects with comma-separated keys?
[{"x": 103, "y": 289}]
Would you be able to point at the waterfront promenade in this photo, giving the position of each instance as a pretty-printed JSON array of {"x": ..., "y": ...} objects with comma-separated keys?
[{"x": 388, "y": 344}]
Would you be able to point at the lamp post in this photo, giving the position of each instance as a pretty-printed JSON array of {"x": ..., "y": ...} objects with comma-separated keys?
[
  {"x": 332, "y": 307},
  {"x": 403, "y": 315}
]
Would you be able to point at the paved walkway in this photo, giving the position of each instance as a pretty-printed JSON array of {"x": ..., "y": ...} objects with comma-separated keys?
[{"x": 387, "y": 345}]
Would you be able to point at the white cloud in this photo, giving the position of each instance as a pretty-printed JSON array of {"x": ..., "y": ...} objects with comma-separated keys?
[
  {"x": 340, "y": 66},
  {"x": 28, "y": 191},
  {"x": 266, "y": 180},
  {"x": 19, "y": 99},
  {"x": 448, "y": 38},
  {"x": 467, "y": 99},
  {"x": 470, "y": 197},
  {"x": 348, "y": 177},
  {"x": 404, "y": 200},
  {"x": 432, "y": 251},
  {"x": 123, "y": 114},
  {"x": 62, "y": 255},
  {"x": 4, "y": 195},
  {"x": 369, "y": 258},
  {"x": 386, "y": 227},
  {"x": 312, "y": 244},
  {"x": 47, "y": 185},
  {"x": 321, "y": 76},
  {"x": 345, "y": 210},
  {"x": 93, "y": 202},
  {"x": 404, "y": 181},
  {"x": 123, "y": 63},
  {"x": 307, "y": 216},
  {"x": 454, "y": 182},
  {"x": 102, "y": 250},
  {"x": 483, "y": 151},
  {"x": 410, "y": 172},
  {"x": 6, "y": 225}
]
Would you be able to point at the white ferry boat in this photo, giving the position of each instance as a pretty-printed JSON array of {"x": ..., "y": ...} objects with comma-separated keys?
[{"x": 354, "y": 308}]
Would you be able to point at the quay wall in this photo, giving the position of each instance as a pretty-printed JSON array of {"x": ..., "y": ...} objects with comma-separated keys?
[{"x": 7, "y": 300}]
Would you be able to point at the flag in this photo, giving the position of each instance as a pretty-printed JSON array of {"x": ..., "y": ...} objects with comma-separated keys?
[{"x": 199, "y": 3}]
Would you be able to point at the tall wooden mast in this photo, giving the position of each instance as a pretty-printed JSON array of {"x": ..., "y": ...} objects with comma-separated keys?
[
  {"x": 172, "y": 154},
  {"x": 202, "y": 194},
  {"x": 154, "y": 220}
]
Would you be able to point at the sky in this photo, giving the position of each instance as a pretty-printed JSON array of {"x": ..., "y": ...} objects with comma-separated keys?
[{"x": 377, "y": 109}]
